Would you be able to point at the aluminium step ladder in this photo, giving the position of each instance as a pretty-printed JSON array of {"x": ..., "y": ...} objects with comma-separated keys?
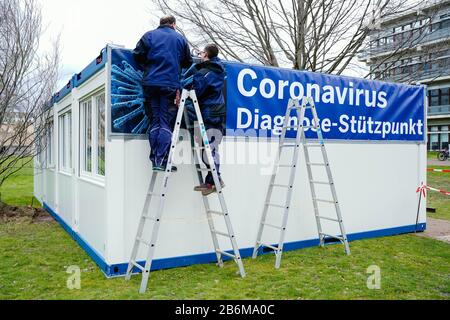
[
  {"x": 141, "y": 239},
  {"x": 307, "y": 103}
]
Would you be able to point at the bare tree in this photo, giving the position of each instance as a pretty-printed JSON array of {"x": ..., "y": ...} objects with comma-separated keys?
[
  {"x": 316, "y": 35},
  {"x": 27, "y": 80}
]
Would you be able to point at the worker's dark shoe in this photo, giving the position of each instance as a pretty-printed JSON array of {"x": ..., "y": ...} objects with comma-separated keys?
[
  {"x": 159, "y": 168},
  {"x": 163, "y": 169},
  {"x": 202, "y": 187},
  {"x": 205, "y": 186},
  {"x": 210, "y": 188}
]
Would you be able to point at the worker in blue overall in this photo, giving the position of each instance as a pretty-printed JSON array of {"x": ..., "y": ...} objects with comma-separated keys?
[
  {"x": 161, "y": 53},
  {"x": 208, "y": 82}
]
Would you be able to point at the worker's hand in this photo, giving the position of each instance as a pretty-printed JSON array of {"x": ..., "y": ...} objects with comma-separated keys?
[{"x": 177, "y": 98}]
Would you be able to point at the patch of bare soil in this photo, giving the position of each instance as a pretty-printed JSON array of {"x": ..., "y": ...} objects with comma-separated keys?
[
  {"x": 437, "y": 229},
  {"x": 8, "y": 212}
]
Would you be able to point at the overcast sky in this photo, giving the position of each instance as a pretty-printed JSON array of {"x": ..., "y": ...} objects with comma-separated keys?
[{"x": 86, "y": 26}]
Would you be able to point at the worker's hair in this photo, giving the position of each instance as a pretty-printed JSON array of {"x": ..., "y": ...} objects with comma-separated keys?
[
  {"x": 167, "y": 20},
  {"x": 212, "y": 50}
]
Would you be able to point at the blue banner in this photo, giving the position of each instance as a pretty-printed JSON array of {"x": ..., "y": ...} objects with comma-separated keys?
[
  {"x": 127, "y": 97},
  {"x": 257, "y": 97},
  {"x": 348, "y": 108}
]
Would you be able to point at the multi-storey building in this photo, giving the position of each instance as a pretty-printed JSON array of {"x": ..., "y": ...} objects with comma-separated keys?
[{"x": 414, "y": 47}]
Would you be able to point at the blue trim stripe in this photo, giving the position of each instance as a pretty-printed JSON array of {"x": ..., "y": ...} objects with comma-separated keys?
[
  {"x": 121, "y": 268},
  {"x": 98, "y": 259},
  {"x": 91, "y": 69}
]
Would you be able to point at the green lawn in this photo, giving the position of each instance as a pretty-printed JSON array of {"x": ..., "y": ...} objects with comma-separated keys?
[
  {"x": 18, "y": 189},
  {"x": 439, "y": 201},
  {"x": 34, "y": 258},
  {"x": 432, "y": 155}
]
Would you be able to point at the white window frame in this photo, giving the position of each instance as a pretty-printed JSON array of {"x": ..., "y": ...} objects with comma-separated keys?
[
  {"x": 93, "y": 174},
  {"x": 50, "y": 144},
  {"x": 65, "y": 141}
]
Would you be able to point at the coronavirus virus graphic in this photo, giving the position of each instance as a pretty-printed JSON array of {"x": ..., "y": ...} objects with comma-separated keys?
[{"x": 127, "y": 99}]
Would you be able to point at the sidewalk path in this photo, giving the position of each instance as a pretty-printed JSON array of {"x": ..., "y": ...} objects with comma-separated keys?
[
  {"x": 437, "y": 229},
  {"x": 436, "y": 162}
]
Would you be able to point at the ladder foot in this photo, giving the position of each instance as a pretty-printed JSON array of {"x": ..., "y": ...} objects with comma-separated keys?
[
  {"x": 255, "y": 252},
  {"x": 277, "y": 260}
]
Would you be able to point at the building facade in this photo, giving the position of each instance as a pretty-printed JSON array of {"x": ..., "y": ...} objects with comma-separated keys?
[{"x": 414, "y": 47}]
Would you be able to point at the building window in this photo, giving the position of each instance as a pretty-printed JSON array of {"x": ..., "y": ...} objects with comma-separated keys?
[
  {"x": 433, "y": 97},
  {"x": 100, "y": 101},
  {"x": 65, "y": 142},
  {"x": 49, "y": 145},
  {"x": 93, "y": 135},
  {"x": 444, "y": 137},
  {"x": 434, "y": 138},
  {"x": 445, "y": 96},
  {"x": 86, "y": 108}
]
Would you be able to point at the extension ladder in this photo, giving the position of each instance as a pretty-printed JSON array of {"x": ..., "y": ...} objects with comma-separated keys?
[
  {"x": 161, "y": 195},
  {"x": 307, "y": 103}
]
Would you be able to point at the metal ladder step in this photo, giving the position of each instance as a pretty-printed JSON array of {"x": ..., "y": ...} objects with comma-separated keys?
[
  {"x": 286, "y": 166},
  {"x": 273, "y": 226},
  {"x": 226, "y": 254},
  {"x": 326, "y": 201},
  {"x": 275, "y": 205},
  {"x": 327, "y": 218},
  {"x": 332, "y": 236},
  {"x": 313, "y": 145},
  {"x": 203, "y": 170},
  {"x": 321, "y": 182},
  {"x": 154, "y": 194},
  {"x": 137, "y": 265},
  {"x": 317, "y": 164},
  {"x": 289, "y": 145},
  {"x": 280, "y": 185},
  {"x": 149, "y": 218},
  {"x": 219, "y": 213},
  {"x": 148, "y": 244},
  {"x": 269, "y": 246},
  {"x": 224, "y": 234}
]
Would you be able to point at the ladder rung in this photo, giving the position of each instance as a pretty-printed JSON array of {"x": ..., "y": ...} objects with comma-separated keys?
[
  {"x": 149, "y": 217},
  {"x": 275, "y": 205},
  {"x": 327, "y": 201},
  {"x": 316, "y": 164},
  {"x": 269, "y": 246},
  {"x": 326, "y": 218},
  {"x": 226, "y": 254},
  {"x": 310, "y": 127},
  {"x": 203, "y": 170},
  {"x": 290, "y": 127},
  {"x": 154, "y": 194},
  {"x": 294, "y": 107},
  {"x": 222, "y": 233},
  {"x": 288, "y": 145},
  {"x": 219, "y": 213},
  {"x": 331, "y": 236},
  {"x": 313, "y": 145},
  {"x": 137, "y": 265},
  {"x": 143, "y": 241},
  {"x": 285, "y": 165},
  {"x": 280, "y": 185},
  {"x": 198, "y": 148},
  {"x": 321, "y": 182},
  {"x": 273, "y": 226}
]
